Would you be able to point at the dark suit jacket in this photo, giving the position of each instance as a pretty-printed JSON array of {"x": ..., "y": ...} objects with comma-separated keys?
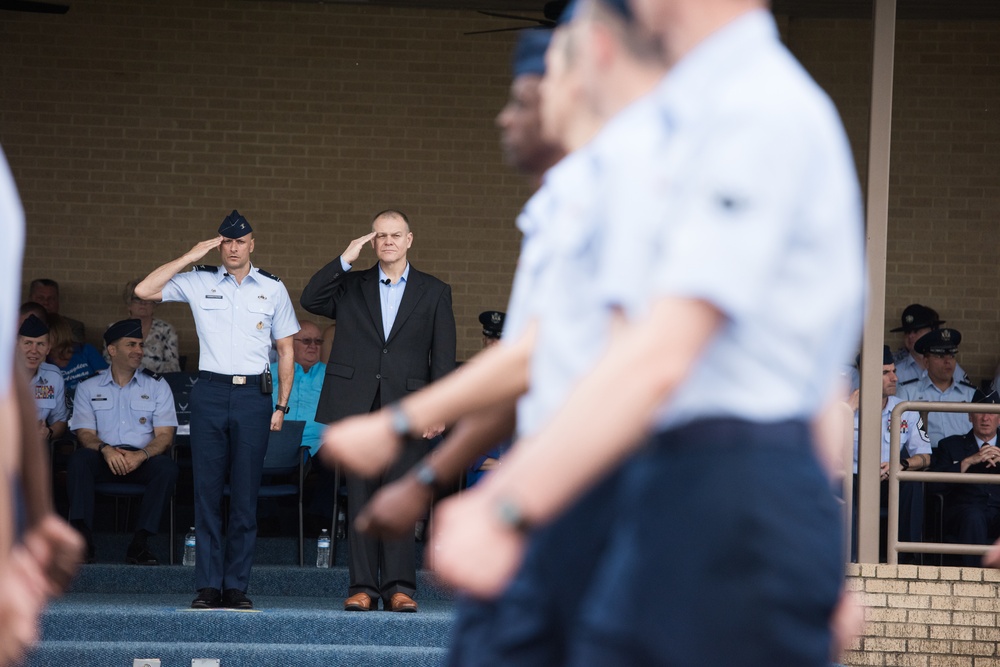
[
  {"x": 948, "y": 458},
  {"x": 420, "y": 348}
]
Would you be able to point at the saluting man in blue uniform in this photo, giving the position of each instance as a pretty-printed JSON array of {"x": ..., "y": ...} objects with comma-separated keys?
[{"x": 237, "y": 309}]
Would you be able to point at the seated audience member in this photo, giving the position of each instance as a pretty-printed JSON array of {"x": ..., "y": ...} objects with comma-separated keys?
[
  {"x": 914, "y": 455},
  {"x": 125, "y": 422},
  {"x": 46, "y": 292},
  {"x": 492, "y": 321},
  {"x": 302, "y": 404},
  {"x": 159, "y": 353},
  {"x": 917, "y": 321},
  {"x": 31, "y": 308},
  {"x": 46, "y": 383},
  {"x": 939, "y": 385},
  {"x": 309, "y": 373},
  {"x": 75, "y": 361},
  {"x": 972, "y": 511}
]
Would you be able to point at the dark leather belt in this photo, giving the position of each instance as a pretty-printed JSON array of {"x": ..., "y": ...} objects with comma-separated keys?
[{"x": 229, "y": 379}]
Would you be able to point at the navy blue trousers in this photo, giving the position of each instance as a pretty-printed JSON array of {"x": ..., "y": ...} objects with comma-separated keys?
[
  {"x": 230, "y": 425},
  {"x": 725, "y": 552},
  {"x": 87, "y": 467},
  {"x": 532, "y": 621}
]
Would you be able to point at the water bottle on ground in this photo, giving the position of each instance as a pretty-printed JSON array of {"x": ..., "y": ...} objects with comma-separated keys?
[
  {"x": 323, "y": 549},
  {"x": 189, "y": 544}
]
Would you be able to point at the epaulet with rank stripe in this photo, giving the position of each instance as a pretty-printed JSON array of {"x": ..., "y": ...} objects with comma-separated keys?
[
  {"x": 268, "y": 275},
  {"x": 206, "y": 267},
  {"x": 967, "y": 384},
  {"x": 155, "y": 376},
  {"x": 910, "y": 381}
]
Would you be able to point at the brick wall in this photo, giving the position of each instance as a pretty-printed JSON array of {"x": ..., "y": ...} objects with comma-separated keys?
[
  {"x": 133, "y": 128},
  {"x": 925, "y": 616}
]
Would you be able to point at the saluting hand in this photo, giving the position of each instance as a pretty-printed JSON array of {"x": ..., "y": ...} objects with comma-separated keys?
[
  {"x": 201, "y": 249},
  {"x": 350, "y": 255}
]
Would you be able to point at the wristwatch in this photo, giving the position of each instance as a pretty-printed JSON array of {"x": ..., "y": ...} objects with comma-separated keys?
[
  {"x": 282, "y": 408},
  {"x": 904, "y": 464},
  {"x": 509, "y": 513},
  {"x": 101, "y": 446},
  {"x": 425, "y": 475},
  {"x": 399, "y": 422}
]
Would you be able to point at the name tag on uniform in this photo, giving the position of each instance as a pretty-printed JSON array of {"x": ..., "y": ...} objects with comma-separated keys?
[
  {"x": 213, "y": 296},
  {"x": 95, "y": 399}
]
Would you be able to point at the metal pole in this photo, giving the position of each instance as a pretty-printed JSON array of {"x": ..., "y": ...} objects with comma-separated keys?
[{"x": 877, "y": 216}]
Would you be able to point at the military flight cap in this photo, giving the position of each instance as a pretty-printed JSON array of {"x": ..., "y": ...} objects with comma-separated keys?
[
  {"x": 235, "y": 226},
  {"x": 492, "y": 321},
  {"x": 917, "y": 317},
  {"x": 986, "y": 394},
  {"x": 938, "y": 341},
  {"x": 886, "y": 357},
  {"x": 33, "y": 327},
  {"x": 123, "y": 329},
  {"x": 529, "y": 54}
]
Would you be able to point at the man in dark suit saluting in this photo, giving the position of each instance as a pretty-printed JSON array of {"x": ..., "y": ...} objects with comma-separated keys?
[{"x": 395, "y": 334}]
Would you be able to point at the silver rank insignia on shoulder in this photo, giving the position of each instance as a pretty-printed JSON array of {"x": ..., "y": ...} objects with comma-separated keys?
[{"x": 260, "y": 325}]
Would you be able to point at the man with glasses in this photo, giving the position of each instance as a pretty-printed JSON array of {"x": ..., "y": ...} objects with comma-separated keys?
[
  {"x": 309, "y": 373},
  {"x": 939, "y": 347}
]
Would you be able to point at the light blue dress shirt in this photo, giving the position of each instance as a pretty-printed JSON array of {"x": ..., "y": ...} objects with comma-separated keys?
[
  {"x": 751, "y": 205},
  {"x": 235, "y": 322},
  {"x": 11, "y": 253},
  {"x": 940, "y": 424},
  {"x": 303, "y": 401},
  {"x": 124, "y": 415},
  {"x": 48, "y": 389},
  {"x": 911, "y": 432},
  {"x": 389, "y": 295}
]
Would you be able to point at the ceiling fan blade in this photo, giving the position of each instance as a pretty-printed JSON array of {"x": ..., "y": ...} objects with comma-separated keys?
[{"x": 33, "y": 6}]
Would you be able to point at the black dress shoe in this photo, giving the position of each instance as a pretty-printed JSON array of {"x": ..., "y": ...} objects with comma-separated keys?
[
  {"x": 140, "y": 556},
  {"x": 234, "y": 598},
  {"x": 208, "y": 598}
]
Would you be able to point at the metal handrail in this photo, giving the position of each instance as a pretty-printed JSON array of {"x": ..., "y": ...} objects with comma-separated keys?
[{"x": 894, "y": 546}]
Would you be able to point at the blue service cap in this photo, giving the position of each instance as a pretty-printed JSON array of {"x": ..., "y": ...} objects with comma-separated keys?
[
  {"x": 619, "y": 7},
  {"x": 886, "y": 357},
  {"x": 235, "y": 226},
  {"x": 492, "y": 321},
  {"x": 938, "y": 341},
  {"x": 33, "y": 327},
  {"x": 529, "y": 54},
  {"x": 123, "y": 329},
  {"x": 917, "y": 316}
]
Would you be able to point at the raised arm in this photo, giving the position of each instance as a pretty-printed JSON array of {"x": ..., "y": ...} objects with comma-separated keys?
[
  {"x": 392, "y": 511},
  {"x": 151, "y": 288},
  {"x": 365, "y": 444},
  {"x": 602, "y": 422},
  {"x": 318, "y": 297}
]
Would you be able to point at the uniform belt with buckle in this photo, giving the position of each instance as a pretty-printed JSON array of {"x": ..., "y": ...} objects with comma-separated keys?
[{"x": 229, "y": 379}]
